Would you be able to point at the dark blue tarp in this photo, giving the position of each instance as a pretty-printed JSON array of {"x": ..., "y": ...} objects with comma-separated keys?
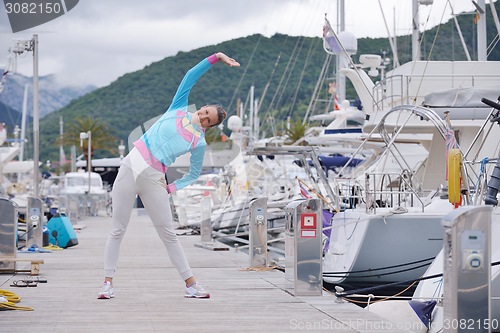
[
  {"x": 343, "y": 130},
  {"x": 330, "y": 162}
]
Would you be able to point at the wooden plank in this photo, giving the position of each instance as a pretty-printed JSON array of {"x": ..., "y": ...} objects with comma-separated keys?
[
  {"x": 35, "y": 264},
  {"x": 33, "y": 261}
]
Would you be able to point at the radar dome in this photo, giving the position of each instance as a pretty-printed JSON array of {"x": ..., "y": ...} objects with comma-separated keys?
[
  {"x": 349, "y": 42},
  {"x": 234, "y": 123}
]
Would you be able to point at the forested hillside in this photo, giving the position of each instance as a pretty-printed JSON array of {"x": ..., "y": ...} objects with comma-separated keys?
[
  {"x": 11, "y": 117},
  {"x": 136, "y": 97}
]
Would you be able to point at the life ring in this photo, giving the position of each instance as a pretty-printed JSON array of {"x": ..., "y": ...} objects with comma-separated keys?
[
  {"x": 16, "y": 188},
  {"x": 454, "y": 183}
]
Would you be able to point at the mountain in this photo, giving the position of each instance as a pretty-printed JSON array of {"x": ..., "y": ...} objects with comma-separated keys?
[
  {"x": 52, "y": 95},
  {"x": 139, "y": 96},
  {"x": 11, "y": 117}
]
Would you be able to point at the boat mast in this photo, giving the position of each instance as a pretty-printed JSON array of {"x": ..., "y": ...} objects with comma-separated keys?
[
  {"x": 252, "y": 104},
  {"x": 415, "y": 43},
  {"x": 395, "y": 60},
  {"x": 460, "y": 32},
  {"x": 482, "y": 53},
  {"x": 23, "y": 128},
  {"x": 495, "y": 16},
  {"x": 340, "y": 57}
]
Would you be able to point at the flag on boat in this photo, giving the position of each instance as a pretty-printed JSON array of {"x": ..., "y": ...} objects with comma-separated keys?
[
  {"x": 476, "y": 18},
  {"x": 303, "y": 191},
  {"x": 451, "y": 142},
  {"x": 331, "y": 39},
  {"x": 327, "y": 218},
  {"x": 337, "y": 105}
]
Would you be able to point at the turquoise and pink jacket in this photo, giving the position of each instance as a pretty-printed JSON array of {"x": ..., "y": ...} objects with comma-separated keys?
[{"x": 173, "y": 134}]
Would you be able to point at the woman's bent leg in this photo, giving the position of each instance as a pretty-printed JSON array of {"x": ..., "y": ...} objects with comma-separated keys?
[
  {"x": 124, "y": 192},
  {"x": 157, "y": 203}
]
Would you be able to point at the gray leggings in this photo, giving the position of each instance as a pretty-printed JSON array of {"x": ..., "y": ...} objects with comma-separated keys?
[{"x": 156, "y": 201}]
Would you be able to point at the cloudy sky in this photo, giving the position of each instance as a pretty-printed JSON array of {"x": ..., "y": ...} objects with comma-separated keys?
[{"x": 101, "y": 40}]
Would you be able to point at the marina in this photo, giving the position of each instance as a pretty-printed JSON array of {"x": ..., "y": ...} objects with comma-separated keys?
[
  {"x": 389, "y": 200},
  {"x": 149, "y": 295}
]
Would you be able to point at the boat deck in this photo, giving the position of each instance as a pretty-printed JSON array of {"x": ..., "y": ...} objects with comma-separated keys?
[{"x": 149, "y": 294}]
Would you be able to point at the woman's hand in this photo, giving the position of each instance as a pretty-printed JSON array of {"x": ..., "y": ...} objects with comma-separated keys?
[
  {"x": 163, "y": 182},
  {"x": 228, "y": 61}
]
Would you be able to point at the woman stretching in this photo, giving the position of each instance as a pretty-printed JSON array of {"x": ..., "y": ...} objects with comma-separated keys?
[{"x": 143, "y": 173}]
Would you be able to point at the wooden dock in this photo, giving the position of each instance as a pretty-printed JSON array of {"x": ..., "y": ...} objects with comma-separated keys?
[{"x": 149, "y": 294}]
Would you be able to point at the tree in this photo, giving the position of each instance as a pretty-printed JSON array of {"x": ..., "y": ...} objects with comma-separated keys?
[
  {"x": 101, "y": 136},
  {"x": 296, "y": 131}
]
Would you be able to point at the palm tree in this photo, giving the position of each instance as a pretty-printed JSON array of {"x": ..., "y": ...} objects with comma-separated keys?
[
  {"x": 101, "y": 136},
  {"x": 296, "y": 131}
]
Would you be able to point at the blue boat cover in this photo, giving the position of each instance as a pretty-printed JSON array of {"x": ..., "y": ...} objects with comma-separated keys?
[{"x": 330, "y": 162}]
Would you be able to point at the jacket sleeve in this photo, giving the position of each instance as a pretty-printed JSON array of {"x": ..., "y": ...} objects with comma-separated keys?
[
  {"x": 181, "y": 96},
  {"x": 196, "y": 164}
]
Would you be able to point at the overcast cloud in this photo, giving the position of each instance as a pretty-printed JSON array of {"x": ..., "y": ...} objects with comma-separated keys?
[{"x": 101, "y": 40}]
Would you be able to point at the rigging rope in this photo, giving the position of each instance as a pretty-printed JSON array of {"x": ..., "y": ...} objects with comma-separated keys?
[
  {"x": 302, "y": 75},
  {"x": 283, "y": 76},
  {"x": 369, "y": 289},
  {"x": 267, "y": 86},
  {"x": 244, "y": 72},
  {"x": 383, "y": 274},
  {"x": 291, "y": 70},
  {"x": 381, "y": 268},
  {"x": 430, "y": 53}
]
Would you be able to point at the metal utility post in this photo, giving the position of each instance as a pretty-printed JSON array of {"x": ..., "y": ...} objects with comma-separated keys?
[
  {"x": 36, "y": 131},
  {"x": 34, "y": 223},
  {"x": 90, "y": 158},
  {"x": 466, "y": 269},
  {"x": 83, "y": 136},
  {"x": 21, "y": 46},
  {"x": 258, "y": 233},
  {"x": 303, "y": 247},
  {"x": 61, "y": 150}
]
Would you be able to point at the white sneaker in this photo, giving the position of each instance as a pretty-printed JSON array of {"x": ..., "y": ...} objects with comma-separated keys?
[
  {"x": 106, "y": 291},
  {"x": 196, "y": 291}
]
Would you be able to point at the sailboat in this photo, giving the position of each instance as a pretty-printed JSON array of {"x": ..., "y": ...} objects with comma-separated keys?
[{"x": 383, "y": 210}]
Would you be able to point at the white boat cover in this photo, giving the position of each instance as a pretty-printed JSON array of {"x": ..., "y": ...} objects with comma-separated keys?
[{"x": 463, "y": 103}]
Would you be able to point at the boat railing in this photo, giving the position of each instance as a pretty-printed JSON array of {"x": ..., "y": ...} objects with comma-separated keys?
[
  {"x": 390, "y": 138},
  {"x": 404, "y": 89},
  {"x": 316, "y": 176},
  {"x": 350, "y": 192},
  {"x": 382, "y": 93},
  {"x": 383, "y": 193}
]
